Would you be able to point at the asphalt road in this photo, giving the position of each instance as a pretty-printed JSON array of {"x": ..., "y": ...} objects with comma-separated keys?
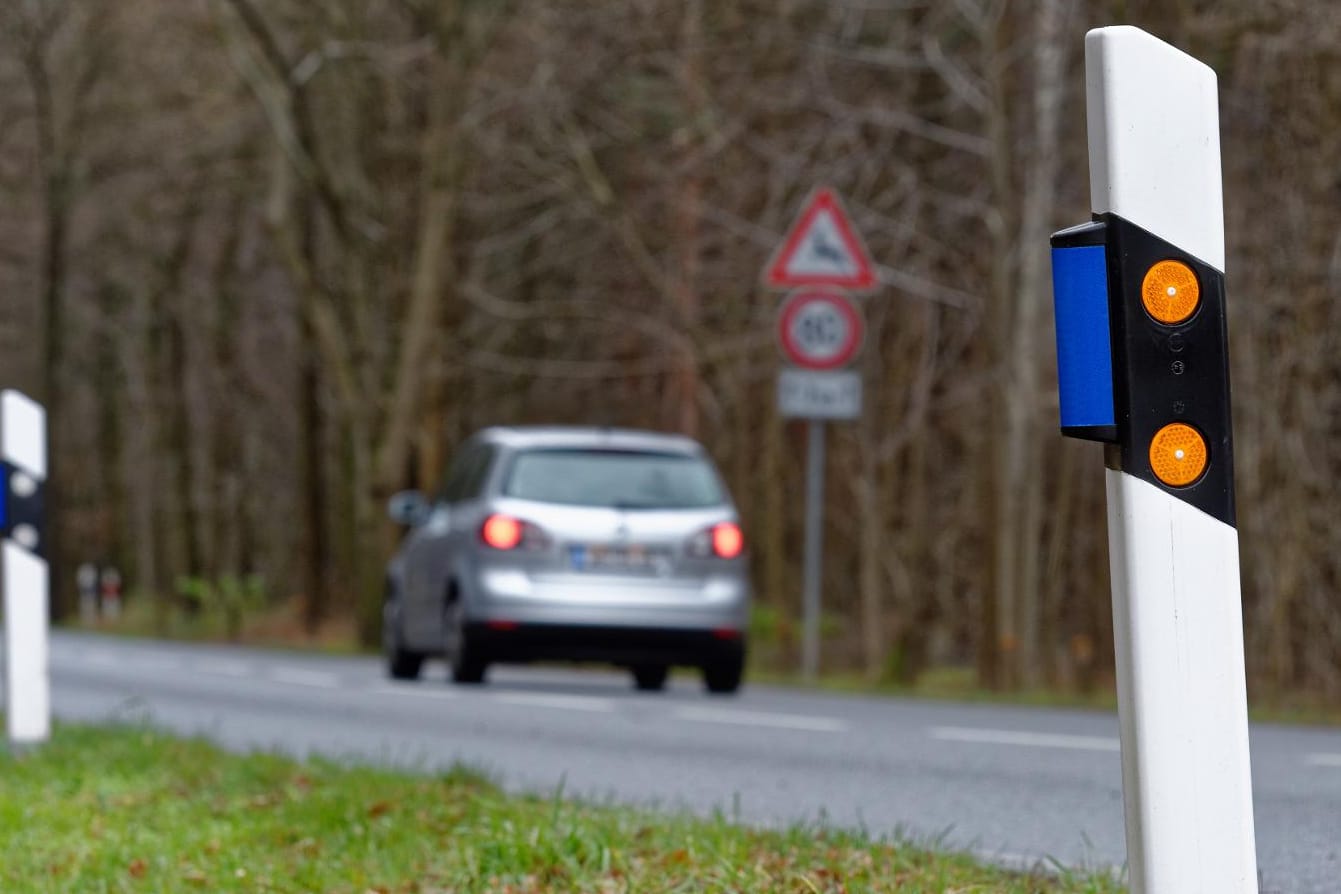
[{"x": 1012, "y": 784}]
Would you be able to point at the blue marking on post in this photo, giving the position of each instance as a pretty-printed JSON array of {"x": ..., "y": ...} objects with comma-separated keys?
[
  {"x": 4, "y": 498},
  {"x": 1084, "y": 351}
]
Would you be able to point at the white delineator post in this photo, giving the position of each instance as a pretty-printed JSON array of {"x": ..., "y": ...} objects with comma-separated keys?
[
  {"x": 23, "y": 570},
  {"x": 1155, "y": 163}
]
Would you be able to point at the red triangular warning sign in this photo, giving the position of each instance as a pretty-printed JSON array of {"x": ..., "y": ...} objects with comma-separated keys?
[{"x": 822, "y": 249}]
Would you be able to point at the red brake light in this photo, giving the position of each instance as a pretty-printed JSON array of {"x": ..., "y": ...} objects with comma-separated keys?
[
  {"x": 502, "y": 532},
  {"x": 727, "y": 540}
]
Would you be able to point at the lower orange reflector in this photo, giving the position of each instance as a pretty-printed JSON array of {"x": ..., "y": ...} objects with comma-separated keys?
[
  {"x": 1170, "y": 292},
  {"x": 1178, "y": 454}
]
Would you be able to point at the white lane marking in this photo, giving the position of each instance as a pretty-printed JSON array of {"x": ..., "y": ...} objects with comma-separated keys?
[
  {"x": 1023, "y": 739},
  {"x": 416, "y": 691},
  {"x": 1323, "y": 760},
  {"x": 759, "y": 718},
  {"x": 223, "y": 667},
  {"x": 565, "y": 702},
  {"x": 153, "y": 663},
  {"x": 297, "y": 676}
]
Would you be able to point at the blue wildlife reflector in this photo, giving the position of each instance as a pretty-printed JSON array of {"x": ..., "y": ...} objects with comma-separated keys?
[
  {"x": 1084, "y": 349},
  {"x": 4, "y": 498}
]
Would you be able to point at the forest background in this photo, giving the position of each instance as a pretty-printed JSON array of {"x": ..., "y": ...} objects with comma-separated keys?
[{"x": 267, "y": 261}]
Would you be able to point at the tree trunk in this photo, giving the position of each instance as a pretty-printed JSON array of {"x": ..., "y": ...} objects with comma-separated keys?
[
  {"x": 373, "y": 534},
  {"x": 114, "y": 546},
  {"x": 179, "y": 439},
  {"x": 999, "y": 639},
  {"x": 1018, "y": 324},
  {"x": 874, "y": 542},
  {"x": 315, "y": 551},
  {"x": 683, "y": 395},
  {"x": 1030, "y": 342},
  {"x": 55, "y": 226},
  {"x": 772, "y": 536}
]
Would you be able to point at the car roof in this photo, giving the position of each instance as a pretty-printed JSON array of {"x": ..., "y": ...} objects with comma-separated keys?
[{"x": 538, "y": 436}]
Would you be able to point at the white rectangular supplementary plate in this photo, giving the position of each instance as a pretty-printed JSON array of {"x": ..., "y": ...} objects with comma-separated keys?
[
  {"x": 811, "y": 394},
  {"x": 1160, "y": 168}
]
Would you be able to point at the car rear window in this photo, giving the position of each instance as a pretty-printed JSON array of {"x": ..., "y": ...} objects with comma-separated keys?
[{"x": 620, "y": 479}]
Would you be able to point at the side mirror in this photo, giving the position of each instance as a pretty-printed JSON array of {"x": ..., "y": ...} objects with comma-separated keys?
[{"x": 409, "y": 507}]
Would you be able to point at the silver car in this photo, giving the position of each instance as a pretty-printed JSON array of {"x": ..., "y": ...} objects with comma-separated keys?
[{"x": 571, "y": 544}]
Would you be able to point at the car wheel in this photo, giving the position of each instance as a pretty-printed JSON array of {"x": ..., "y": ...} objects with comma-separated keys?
[
  {"x": 650, "y": 677},
  {"x": 401, "y": 663},
  {"x": 724, "y": 676},
  {"x": 465, "y": 664}
]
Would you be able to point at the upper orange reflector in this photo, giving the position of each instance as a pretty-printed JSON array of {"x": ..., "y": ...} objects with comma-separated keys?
[
  {"x": 1178, "y": 454},
  {"x": 1170, "y": 292}
]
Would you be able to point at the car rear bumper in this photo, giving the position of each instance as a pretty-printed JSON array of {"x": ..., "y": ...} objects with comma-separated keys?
[
  {"x": 502, "y": 641},
  {"x": 712, "y": 604}
]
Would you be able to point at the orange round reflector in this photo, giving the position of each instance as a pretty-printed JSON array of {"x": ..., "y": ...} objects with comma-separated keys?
[
  {"x": 1170, "y": 292},
  {"x": 1178, "y": 454}
]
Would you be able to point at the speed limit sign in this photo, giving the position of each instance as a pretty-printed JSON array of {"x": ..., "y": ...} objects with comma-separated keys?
[{"x": 820, "y": 329}]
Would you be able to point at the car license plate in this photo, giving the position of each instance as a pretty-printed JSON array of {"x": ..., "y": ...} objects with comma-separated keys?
[{"x": 622, "y": 557}]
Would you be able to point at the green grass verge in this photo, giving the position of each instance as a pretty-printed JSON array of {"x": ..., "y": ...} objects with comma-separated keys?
[{"x": 130, "y": 809}]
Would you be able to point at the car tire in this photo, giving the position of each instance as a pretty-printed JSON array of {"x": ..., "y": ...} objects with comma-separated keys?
[
  {"x": 465, "y": 664},
  {"x": 724, "y": 676},
  {"x": 650, "y": 677},
  {"x": 401, "y": 663}
]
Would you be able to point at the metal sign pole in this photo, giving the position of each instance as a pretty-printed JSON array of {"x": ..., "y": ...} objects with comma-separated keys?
[
  {"x": 23, "y": 569},
  {"x": 1143, "y": 367},
  {"x": 814, "y": 550}
]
